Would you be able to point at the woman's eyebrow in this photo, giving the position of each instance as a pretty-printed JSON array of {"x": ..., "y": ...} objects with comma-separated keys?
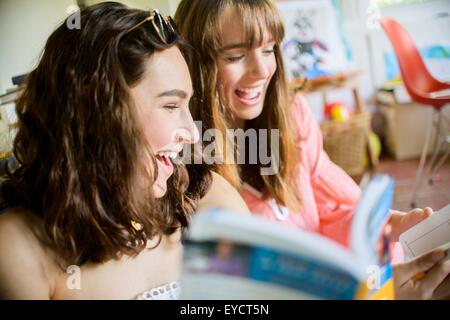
[
  {"x": 241, "y": 45},
  {"x": 233, "y": 46},
  {"x": 173, "y": 93}
]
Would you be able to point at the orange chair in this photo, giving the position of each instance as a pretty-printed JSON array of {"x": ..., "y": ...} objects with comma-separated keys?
[{"x": 424, "y": 89}]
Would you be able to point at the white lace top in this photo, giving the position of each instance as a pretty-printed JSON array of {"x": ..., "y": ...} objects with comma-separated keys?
[{"x": 169, "y": 291}]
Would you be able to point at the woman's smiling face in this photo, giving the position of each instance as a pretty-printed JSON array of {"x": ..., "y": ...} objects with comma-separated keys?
[
  {"x": 244, "y": 73},
  {"x": 162, "y": 99}
]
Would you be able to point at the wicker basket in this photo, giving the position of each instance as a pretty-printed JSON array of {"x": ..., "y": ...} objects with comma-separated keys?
[{"x": 347, "y": 142}]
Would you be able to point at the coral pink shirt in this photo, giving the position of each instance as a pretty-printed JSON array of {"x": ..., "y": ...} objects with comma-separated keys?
[{"x": 328, "y": 194}]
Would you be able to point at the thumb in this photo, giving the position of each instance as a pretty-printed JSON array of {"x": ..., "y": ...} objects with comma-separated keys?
[
  {"x": 402, "y": 221},
  {"x": 428, "y": 212},
  {"x": 415, "y": 216},
  {"x": 406, "y": 271},
  {"x": 418, "y": 215}
]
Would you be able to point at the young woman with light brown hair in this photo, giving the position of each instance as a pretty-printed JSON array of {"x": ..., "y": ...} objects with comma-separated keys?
[{"x": 240, "y": 82}]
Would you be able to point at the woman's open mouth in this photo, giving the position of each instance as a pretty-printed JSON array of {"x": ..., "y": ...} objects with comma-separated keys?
[
  {"x": 251, "y": 96},
  {"x": 164, "y": 160}
]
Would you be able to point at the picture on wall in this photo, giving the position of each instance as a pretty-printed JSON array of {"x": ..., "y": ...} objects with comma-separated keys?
[
  {"x": 436, "y": 58},
  {"x": 313, "y": 45}
]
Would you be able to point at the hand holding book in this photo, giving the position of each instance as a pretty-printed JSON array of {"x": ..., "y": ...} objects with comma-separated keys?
[
  {"x": 402, "y": 221},
  {"x": 426, "y": 244},
  {"x": 433, "y": 282}
]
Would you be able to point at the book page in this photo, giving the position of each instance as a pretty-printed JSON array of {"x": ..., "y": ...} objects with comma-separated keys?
[{"x": 428, "y": 234}]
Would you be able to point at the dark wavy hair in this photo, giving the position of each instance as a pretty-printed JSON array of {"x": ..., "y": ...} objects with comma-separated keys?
[{"x": 79, "y": 148}]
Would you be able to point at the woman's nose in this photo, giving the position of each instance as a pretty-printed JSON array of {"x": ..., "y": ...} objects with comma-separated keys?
[
  {"x": 259, "y": 67},
  {"x": 189, "y": 132}
]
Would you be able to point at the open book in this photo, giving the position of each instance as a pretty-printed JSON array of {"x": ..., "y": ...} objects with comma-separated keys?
[{"x": 230, "y": 256}]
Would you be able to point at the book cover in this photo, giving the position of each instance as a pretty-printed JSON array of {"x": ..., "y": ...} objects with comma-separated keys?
[{"x": 229, "y": 256}]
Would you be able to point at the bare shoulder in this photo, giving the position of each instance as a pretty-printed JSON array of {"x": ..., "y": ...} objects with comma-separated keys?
[
  {"x": 23, "y": 262},
  {"x": 20, "y": 226},
  {"x": 223, "y": 195}
]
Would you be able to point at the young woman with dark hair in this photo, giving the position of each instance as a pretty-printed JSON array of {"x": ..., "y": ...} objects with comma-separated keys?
[{"x": 96, "y": 204}]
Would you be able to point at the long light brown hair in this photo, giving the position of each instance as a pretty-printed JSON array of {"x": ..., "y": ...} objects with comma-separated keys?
[
  {"x": 199, "y": 23},
  {"x": 80, "y": 149}
]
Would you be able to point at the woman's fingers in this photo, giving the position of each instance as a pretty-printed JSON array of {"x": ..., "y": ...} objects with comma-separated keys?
[
  {"x": 442, "y": 292},
  {"x": 402, "y": 221},
  {"x": 428, "y": 211},
  {"x": 408, "y": 270},
  {"x": 433, "y": 279}
]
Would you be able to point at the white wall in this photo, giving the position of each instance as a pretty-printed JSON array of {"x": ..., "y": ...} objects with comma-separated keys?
[
  {"x": 166, "y": 7},
  {"x": 428, "y": 24},
  {"x": 26, "y": 24},
  {"x": 425, "y": 21},
  {"x": 24, "y": 27}
]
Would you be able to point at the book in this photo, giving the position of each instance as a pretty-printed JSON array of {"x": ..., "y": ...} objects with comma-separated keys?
[
  {"x": 230, "y": 256},
  {"x": 431, "y": 233},
  {"x": 19, "y": 80}
]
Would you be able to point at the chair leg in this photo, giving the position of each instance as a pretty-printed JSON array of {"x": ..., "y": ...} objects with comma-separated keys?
[
  {"x": 445, "y": 142},
  {"x": 419, "y": 176},
  {"x": 441, "y": 161},
  {"x": 438, "y": 144}
]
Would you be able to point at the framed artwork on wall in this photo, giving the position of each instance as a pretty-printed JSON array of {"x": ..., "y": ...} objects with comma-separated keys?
[{"x": 314, "y": 45}]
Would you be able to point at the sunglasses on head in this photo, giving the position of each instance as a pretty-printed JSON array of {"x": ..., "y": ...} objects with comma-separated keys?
[{"x": 164, "y": 26}]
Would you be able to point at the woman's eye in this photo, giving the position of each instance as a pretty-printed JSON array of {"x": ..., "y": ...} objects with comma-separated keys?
[
  {"x": 235, "y": 58},
  {"x": 171, "y": 107},
  {"x": 269, "y": 51}
]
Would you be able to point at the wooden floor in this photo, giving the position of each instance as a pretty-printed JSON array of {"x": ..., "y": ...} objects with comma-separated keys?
[{"x": 435, "y": 196}]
